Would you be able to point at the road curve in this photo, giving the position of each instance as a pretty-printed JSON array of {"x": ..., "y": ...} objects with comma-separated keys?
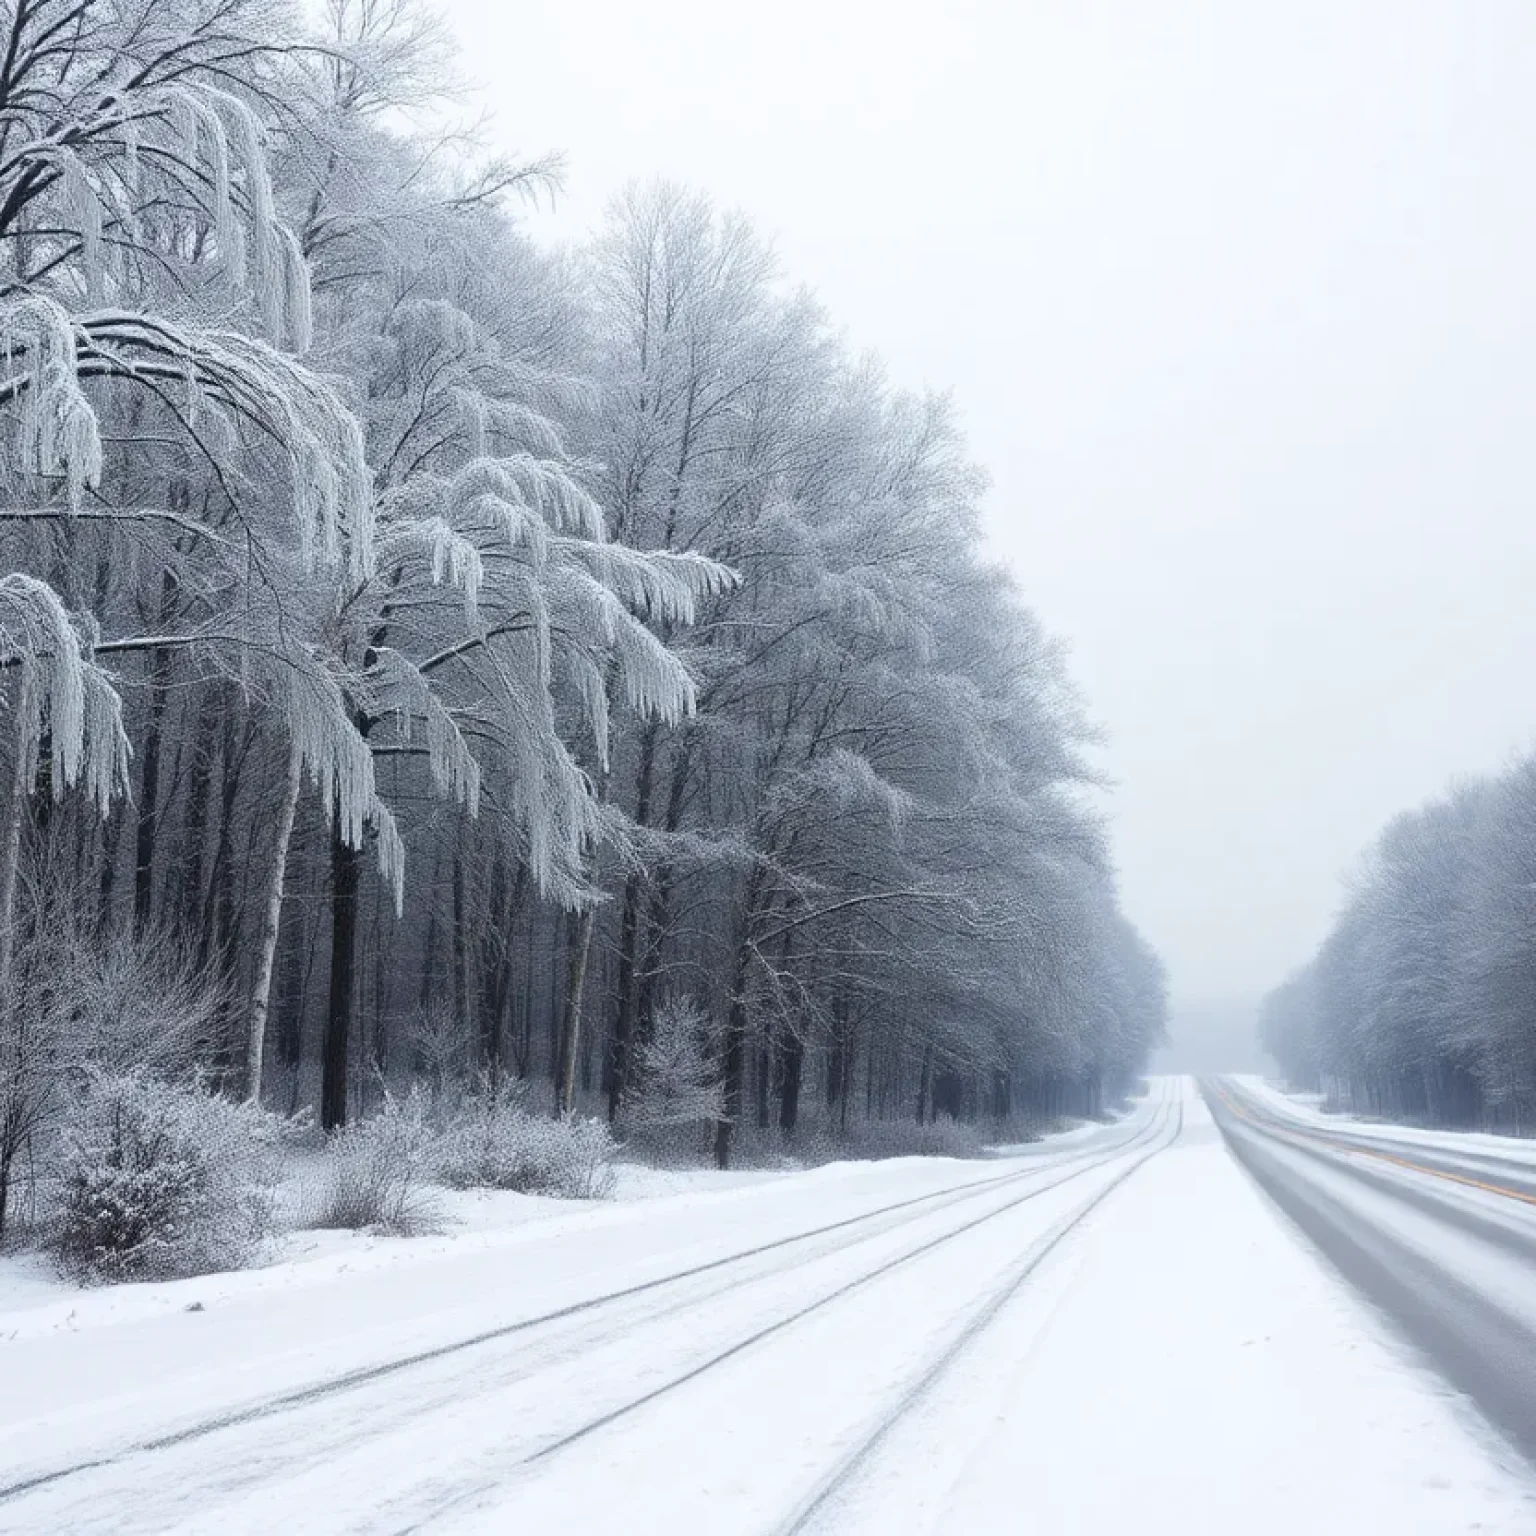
[{"x": 1441, "y": 1239}]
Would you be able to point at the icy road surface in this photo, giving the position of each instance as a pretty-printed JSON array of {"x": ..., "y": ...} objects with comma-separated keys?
[
  {"x": 1117, "y": 1333},
  {"x": 1438, "y": 1231}
]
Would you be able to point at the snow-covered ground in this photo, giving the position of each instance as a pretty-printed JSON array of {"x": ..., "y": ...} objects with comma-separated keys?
[
  {"x": 1113, "y": 1333},
  {"x": 464, "y": 1221}
]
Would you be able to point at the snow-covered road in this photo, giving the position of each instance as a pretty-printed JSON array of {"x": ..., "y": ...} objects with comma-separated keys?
[
  {"x": 1439, "y": 1232},
  {"x": 1114, "y": 1332}
]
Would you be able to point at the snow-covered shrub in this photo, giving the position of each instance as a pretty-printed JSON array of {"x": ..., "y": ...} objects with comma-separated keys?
[
  {"x": 155, "y": 1180},
  {"x": 79, "y": 999},
  {"x": 135, "y": 1003},
  {"x": 376, "y": 1172},
  {"x": 493, "y": 1142}
]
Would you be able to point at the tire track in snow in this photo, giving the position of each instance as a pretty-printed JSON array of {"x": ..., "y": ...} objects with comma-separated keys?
[
  {"x": 843, "y": 1474},
  {"x": 442, "y": 1511},
  {"x": 868, "y": 1278},
  {"x": 851, "y": 1231}
]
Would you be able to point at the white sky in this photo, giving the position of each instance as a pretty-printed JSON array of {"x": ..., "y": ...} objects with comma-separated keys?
[{"x": 1239, "y": 300}]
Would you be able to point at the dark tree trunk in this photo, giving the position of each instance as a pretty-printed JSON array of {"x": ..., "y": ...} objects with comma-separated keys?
[
  {"x": 735, "y": 1056},
  {"x": 1002, "y": 1095},
  {"x": 764, "y": 1076},
  {"x": 733, "y": 1067},
  {"x": 791, "y": 1072},
  {"x": 346, "y": 872},
  {"x": 111, "y": 837},
  {"x": 195, "y": 877},
  {"x": 630, "y": 935},
  {"x": 218, "y": 915},
  {"x": 838, "y": 1067},
  {"x": 660, "y": 905},
  {"x": 463, "y": 997},
  {"x": 575, "y": 986},
  {"x": 149, "y": 792},
  {"x": 495, "y": 971}
]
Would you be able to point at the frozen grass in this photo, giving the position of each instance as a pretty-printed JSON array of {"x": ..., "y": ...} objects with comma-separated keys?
[
  {"x": 387, "y": 1173},
  {"x": 493, "y": 1142},
  {"x": 375, "y": 1173}
]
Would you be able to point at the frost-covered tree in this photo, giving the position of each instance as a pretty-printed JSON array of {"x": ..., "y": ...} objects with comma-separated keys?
[
  {"x": 168, "y": 462},
  {"x": 847, "y": 732},
  {"x": 676, "y": 1083}
]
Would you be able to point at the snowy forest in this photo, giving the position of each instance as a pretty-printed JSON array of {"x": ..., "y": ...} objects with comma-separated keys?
[
  {"x": 434, "y": 664},
  {"x": 1418, "y": 1004}
]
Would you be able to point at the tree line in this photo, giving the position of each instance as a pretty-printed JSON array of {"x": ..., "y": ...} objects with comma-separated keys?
[
  {"x": 1418, "y": 1005},
  {"x": 428, "y": 655}
]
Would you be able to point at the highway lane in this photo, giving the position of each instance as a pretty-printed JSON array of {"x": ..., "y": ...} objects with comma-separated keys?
[
  {"x": 1441, "y": 1239},
  {"x": 1457, "y": 1157}
]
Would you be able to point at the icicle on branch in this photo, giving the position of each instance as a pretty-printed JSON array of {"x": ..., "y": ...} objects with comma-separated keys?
[
  {"x": 48, "y": 352},
  {"x": 58, "y": 434},
  {"x": 65, "y": 697},
  {"x": 337, "y": 759}
]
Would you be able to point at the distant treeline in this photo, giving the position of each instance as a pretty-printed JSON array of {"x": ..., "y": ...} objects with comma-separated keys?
[{"x": 1421, "y": 1003}]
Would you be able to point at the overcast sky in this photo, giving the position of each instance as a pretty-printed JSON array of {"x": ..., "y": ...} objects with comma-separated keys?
[{"x": 1238, "y": 298}]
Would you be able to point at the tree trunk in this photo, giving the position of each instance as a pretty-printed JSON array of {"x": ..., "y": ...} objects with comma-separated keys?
[
  {"x": 922, "y": 1084},
  {"x": 149, "y": 784},
  {"x": 765, "y": 1049},
  {"x": 494, "y": 969},
  {"x": 111, "y": 836},
  {"x": 346, "y": 872},
  {"x": 458, "y": 947},
  {"x": 261, "y": 993},
  {"x": 736, "y": 1035},
  {"x": 575, "y": 985},
  {"x": 149, "y": 796},
  {"x": 194, "y": 877},
  {"x": 735, "y": 1062},
  {"x": 630, "y": 934},
  {"x": 218, "y": 914},
  {"x": 10, "y": 850},
  {"x": 791, "y": 1071},
  {"x": 659, "y": 908},
  {"x": 5, "y": 1178}
]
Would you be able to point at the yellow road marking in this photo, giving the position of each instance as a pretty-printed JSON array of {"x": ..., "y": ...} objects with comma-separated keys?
[{"x": 1385, "y": 1157}]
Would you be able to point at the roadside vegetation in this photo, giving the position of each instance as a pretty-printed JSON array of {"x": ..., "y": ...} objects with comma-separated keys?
[{"x": 474, "y": 706}]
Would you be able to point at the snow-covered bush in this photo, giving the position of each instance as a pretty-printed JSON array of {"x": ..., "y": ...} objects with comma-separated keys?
[
  {"x": 115, "y": 1002},
  {"x": 493, "y": 1142},
  {"x": 155, "y": 1180},
  {"x": 376, "y": 1172}
]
